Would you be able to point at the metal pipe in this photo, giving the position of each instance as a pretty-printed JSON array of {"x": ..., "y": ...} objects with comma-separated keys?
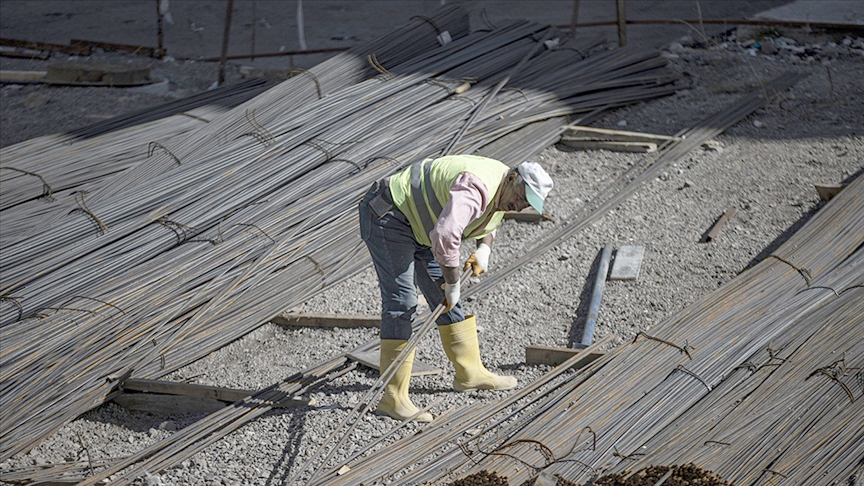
[{"x": 596, "y": 296}]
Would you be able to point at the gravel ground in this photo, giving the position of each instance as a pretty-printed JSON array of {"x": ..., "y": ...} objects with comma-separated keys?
[{"x": 765, "y": 166}]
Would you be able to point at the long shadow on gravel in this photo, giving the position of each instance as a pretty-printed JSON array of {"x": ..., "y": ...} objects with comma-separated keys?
[{"x": 291, "y": 449}]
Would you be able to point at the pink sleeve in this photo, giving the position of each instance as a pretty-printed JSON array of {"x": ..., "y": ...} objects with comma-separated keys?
[{"x": 468, "y": 198}]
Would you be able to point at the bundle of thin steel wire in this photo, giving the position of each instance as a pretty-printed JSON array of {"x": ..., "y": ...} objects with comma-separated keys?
[{"x": 194, "y": 253}]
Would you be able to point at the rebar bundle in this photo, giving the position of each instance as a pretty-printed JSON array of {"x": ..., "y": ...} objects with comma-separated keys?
[{"x": 211, "y": 234}]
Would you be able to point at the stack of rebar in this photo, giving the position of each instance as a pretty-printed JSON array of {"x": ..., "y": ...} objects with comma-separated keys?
[{"x": 211, "y": 234}]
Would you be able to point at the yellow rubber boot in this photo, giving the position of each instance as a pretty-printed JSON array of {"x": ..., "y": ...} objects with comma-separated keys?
[
  {"x": 395, "y": 401},
  {"x": 462, "y": 347}
]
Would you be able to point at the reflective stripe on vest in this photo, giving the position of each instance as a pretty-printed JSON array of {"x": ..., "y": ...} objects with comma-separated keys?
[{"x": 418, "y": 188}]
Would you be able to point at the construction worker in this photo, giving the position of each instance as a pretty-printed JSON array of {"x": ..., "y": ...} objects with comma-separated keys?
[{"x": 413, "y": 223}]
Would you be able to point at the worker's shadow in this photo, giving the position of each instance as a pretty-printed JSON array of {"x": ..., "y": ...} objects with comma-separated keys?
[
  {"x": 577, "y": 328},
  {"x": 288, "y": 458}
]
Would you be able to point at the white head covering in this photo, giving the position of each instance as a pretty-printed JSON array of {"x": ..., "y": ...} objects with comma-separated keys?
[{"x": 537, "y": 184}]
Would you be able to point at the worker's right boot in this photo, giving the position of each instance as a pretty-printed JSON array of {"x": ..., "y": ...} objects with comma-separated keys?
[
  {"x": 463, "y": 348},
  {"x": 395, "y": 401}
]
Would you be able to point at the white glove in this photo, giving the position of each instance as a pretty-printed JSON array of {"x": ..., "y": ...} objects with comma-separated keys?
[
  {"x": 479, "y": 260},
  {"x": 451, "y": 294}
]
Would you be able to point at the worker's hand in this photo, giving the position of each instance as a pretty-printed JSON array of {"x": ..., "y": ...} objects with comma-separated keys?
[
  {"x": 479, "y": 260},
  {"x": 451, "y": 295}
]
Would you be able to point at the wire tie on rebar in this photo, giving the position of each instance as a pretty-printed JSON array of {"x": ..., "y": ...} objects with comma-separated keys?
[
  {"x": 373, "y": 61},
  {"x": 314, "y": 143},
  {"x": 94, "y": 299},
  {"x": 82, "y": 206},
  {"x": 429, "y": 21},
  {"x": 312, "y": 75},
  {"x": 835, "y": 371},
  {"x": 803, "y": 271},
  {"x": 463, "y": 98},
  {"x": 716, "y": 442},
  {"x": 317, "y": 266},
  {"x": 465, "y": 450},
  {"x": 152, "y": 148},
  {"x": 777, "y": 473},
  {"x": 89, "y": 460},
  {"x": 577, "y": 441},
  {"x": 632, "y": 457},
  {"x": 516, "y": 90},
  {"x": 177, "y": 228},
  {"x": 547, "y": 453},
  {"x": 857, "y": 286},
  {"x": 250, "y": 117},
  {"x": 17, "y": 303},
  {"x": 435, "y": 82},
  {"x": 355, "y": 164},
  {"x": 46, "y": 188},
  {"x": 773, "y": 354},
  {"x": 679, "y": 348},
  {"x": 258, "y": 228},
  {"x": 694, "y": 375}
]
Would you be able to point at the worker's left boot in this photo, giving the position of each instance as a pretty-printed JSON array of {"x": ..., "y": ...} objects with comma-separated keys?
[
  {"x": 395, "y": 401},
  {"x": 462, "y": 347}
]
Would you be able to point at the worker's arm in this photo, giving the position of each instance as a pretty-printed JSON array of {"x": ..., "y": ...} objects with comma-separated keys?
[{"x": 468, "y": 198}]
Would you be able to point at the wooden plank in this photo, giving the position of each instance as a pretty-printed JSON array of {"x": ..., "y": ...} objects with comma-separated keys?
[
  {"x": 580, "y": 132},
  {"x": 372, "y": 360},
  {"x": 229, "y": 395},
  {"x": 721, "y": 222},
  {"x": 328, "y": 320},
  {"x": 23, "y": 53},
  {"x": 826, "y": 192},
  {"x": 159, "y": 404},
  {"x": 639, "y": 147},
  {"x": 628, "y": 260},
  {"x": 554, "y": 355},
  {"x": 22, "y": 76},
  {"x": 528, "y": 214}
]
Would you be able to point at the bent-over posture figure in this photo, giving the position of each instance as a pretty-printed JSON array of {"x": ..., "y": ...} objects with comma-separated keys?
[{"x": 413, "y": 223}]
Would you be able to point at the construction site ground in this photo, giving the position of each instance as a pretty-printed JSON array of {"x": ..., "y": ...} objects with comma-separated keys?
[{"x": 765, "y": 166}]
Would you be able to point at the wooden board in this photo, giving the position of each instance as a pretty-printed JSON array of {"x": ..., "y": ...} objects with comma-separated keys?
[
  {"x": 328, "y": 320},
  {"x": 528, "y": 214},
  {"x": 628, "y": 260},
  {"x": 168, "y": 405},
  {"x": 639, "y": 147},
  {"x": 372, "y": 358},
  {"x": 22, "y": 76},
  {"x": 616, "y": 135},
  {"x": 228, "y": 395},
  {"x": 553, "y": 355},
  {"x": 826, "y": 192}
]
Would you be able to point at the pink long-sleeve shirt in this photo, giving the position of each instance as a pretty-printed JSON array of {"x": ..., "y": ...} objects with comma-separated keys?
[{"x": 468, "y": 199}]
